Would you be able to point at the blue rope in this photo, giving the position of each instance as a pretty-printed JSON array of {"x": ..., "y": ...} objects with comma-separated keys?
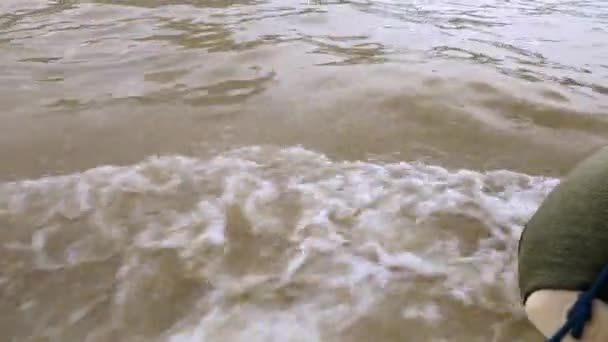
[{"x": 580, "y": 312}]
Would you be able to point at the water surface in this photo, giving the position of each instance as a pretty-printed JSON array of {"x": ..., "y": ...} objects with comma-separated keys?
[{"x": 284, "y": 170}]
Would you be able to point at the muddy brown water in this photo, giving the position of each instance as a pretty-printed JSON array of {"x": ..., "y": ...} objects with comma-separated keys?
[{"x": 284, "y": 170}]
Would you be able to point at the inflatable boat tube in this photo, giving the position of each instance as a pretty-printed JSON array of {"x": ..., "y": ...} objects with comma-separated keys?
[{"x": 564, "y": 247}]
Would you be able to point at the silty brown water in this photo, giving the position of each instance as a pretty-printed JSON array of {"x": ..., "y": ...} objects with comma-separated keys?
[{"x": 284, "y": 170}]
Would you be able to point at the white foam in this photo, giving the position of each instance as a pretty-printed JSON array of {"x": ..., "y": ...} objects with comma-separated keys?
[
  {"x": 429, "y": 313},
  {"x": 354, "y": 232}
]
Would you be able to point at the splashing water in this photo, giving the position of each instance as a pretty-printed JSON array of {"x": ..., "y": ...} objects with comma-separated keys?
[{"x": 265, "y": 244}]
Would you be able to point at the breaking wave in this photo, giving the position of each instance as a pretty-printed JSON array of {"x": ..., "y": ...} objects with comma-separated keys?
[{"x": 265, "y": 244}]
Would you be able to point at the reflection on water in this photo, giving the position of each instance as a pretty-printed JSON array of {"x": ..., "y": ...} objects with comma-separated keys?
[{"x": 346, "y": 170}]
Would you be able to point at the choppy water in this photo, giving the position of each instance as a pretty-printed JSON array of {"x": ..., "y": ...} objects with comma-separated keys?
[{"x": 284, "y": 170}]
